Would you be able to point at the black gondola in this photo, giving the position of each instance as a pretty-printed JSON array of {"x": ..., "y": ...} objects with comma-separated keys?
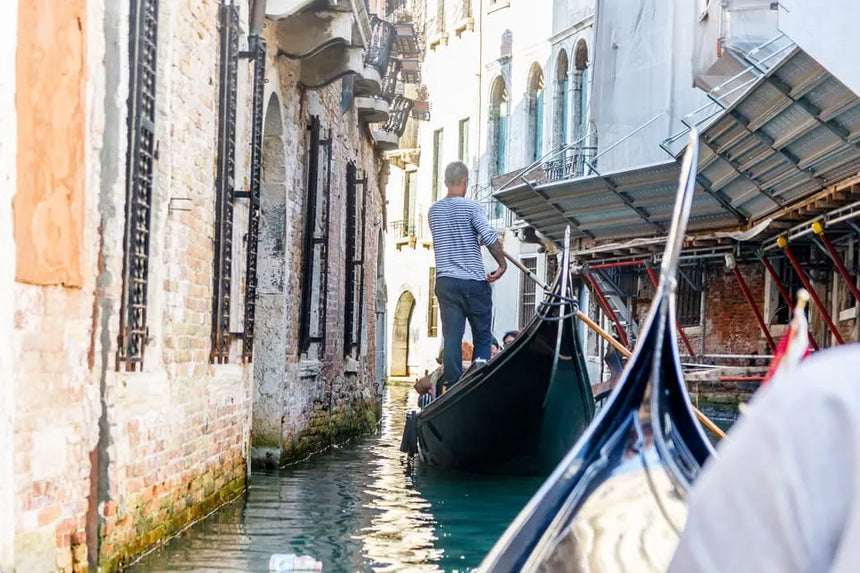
[
  {"x": 616, "y": 502},
  {"x": 521, "y": 411}
]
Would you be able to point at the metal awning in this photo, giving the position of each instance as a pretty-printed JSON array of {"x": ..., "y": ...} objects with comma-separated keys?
[
  {"x": 794, "y": 132},
  {"x": 633, "y": 203}
]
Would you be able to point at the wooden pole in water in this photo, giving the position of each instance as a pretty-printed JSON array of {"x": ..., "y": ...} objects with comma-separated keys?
[{"x": 705, "y": 421}]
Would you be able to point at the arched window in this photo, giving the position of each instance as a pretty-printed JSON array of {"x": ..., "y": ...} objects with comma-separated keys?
[
  {"x": 535, "y": 125},
  {"x": 561, "y": 107},
  {"x": 498, "y": 126}
]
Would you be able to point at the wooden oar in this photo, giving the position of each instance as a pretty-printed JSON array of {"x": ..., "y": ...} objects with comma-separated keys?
[{"x": 707, "y": 422}]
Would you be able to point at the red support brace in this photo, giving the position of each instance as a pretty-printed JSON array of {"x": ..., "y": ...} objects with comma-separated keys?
[
  {"x": 783, "y": 293},
  {"x": 608, "y": 309},
  {"x": 840, "y": 266},
  {"x": 635, "y": 263},
  {"x": 684, "y": 338},
  {"x": 746, "y": 292},
  {"x": 783, "y": 243}
]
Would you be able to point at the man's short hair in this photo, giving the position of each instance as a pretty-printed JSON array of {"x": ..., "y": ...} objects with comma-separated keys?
[{"x": 455, "y": 172}]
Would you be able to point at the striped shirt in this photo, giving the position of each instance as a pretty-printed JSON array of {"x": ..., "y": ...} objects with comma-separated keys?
[{"x": 459, "y": 228}]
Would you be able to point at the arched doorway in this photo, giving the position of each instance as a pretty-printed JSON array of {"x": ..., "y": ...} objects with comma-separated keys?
[{"x": 400, "y": 334}]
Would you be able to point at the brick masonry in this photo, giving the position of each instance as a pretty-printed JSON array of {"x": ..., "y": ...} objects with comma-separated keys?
[
  {"x": 318, "y": 399},
  {"x": 106, "y": 464},
  {"x": 730, "y": 326}
]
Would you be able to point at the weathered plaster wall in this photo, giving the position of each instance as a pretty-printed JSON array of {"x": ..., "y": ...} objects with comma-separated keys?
[
  {"x": 8, "y": 137},
  {"x": 322, "y": 397},
  {"x": 56, "y": 396},
  {"x": 50, "y": 199}
]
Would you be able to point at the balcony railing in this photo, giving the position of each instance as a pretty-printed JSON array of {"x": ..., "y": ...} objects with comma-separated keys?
[
  {"x": 414, "y": 227},
  {"x": 389, "y": 82},
  {"x": 378, "y": 54},
  {"x": 496, "y": 213},
  {"x": 571, "y": 164},
  {"x": 398, "y": 115}
]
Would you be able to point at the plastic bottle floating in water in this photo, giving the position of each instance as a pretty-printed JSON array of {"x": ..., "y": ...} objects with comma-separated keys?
[{"x": 286, "y": 562}]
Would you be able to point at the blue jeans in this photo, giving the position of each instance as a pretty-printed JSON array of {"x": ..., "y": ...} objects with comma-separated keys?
[{"x": 461, "y": 300}]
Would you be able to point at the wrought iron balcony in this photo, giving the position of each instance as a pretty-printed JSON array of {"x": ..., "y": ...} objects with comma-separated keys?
[
  {"x": 569, "y": 165},
  {"x": 378, "y": 52},
  {"x": 413, "y": 228},
  {"x": 411, "y": 70},
  {"x": 389, "y": 82},
  {"x": 400, "y": 109},
  {"x": 388, "y": 135}
]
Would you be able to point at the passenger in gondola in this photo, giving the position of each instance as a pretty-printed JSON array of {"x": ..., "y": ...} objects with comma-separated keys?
[
  {"x": 784, "y": 493},
  {"x": 509, "y": 337},
  {"x": 494, "y": 348},
  {"x": 459, "y": 227}
]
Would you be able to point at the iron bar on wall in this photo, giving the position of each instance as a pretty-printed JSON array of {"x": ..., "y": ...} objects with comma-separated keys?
[
  {"x": 225, "y": 184},
  {"x": 315, "y": 256},
  {"x": 259, "y": 56},
  {"x": 356, "y": 205},
  {"x": 139, "y": 177},
  {"x": 350, "y": 290}
]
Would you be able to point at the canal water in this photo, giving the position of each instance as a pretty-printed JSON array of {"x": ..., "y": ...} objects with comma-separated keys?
[{"x": 358, "y": 507}]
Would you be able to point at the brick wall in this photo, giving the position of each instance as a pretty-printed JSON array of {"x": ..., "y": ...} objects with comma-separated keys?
[
  {"x": 326, "y": 397},
  {"x": 730, "y": 327},
  {"x": 107, "y": 463}
]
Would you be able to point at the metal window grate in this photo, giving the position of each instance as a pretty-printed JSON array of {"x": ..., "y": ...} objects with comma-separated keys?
[
  {"x": 224, "y": 184},
  {"x": 432, "y": 307},
  {"x": 689, "y": 295},
  {"x": 528, "y": 293},
  {"x": 355, "y": 226},
  {"x": 259, "y": 56},
  {"x": 315, "y": 263},
  {"x": 139, "y": 172}
]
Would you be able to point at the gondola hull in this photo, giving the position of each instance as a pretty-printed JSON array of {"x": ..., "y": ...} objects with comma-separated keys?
[{"x": 512, "y": 416}]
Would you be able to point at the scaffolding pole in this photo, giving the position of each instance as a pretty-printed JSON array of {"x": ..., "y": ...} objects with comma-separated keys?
[
  {"x": 782, "y": 292},
  {"x": 782, "y": 242}
]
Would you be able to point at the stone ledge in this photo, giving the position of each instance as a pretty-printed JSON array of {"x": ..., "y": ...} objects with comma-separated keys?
[
  {"x": 351, "y": 365},
  {"x": 309, "y": 368}
]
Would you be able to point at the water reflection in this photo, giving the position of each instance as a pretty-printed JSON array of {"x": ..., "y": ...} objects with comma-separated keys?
[{"x": 360, "y": 507}]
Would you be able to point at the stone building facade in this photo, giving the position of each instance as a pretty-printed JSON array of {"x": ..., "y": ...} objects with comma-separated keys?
[{"x": 169, "y": 315}]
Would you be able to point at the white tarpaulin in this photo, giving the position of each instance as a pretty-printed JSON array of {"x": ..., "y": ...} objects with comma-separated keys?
[
  {"x": 827, "y": 31},
  {"x": 641, "y": 71}
]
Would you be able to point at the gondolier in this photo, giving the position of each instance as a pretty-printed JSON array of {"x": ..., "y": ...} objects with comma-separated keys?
[{"x": 459, "y": 228}]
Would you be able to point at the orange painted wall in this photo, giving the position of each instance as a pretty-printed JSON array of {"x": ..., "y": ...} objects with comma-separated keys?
[{"x": 50, "y": 100}]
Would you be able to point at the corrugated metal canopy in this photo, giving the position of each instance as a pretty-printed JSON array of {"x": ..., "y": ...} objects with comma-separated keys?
[
  {"x": 633, "y": 203},
  {"x": 793, "y": 133}
]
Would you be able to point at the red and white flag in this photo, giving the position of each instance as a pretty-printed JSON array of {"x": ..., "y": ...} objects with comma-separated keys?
[{"x": 794, "y": 346}]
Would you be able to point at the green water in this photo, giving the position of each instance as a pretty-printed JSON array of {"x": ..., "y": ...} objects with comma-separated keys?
[{"x": 359, "y": 507}]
